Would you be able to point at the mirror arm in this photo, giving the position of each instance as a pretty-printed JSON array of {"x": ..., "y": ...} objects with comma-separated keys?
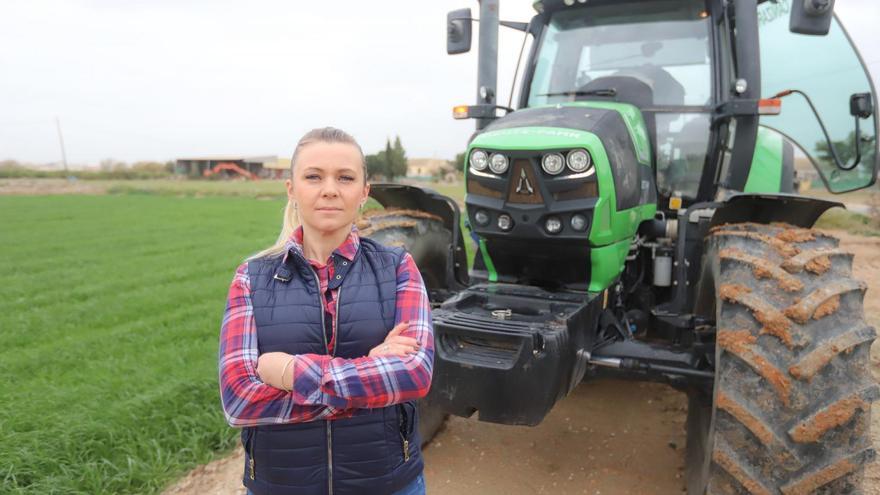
[
  {"x": 831, "y": 149},
  {"x": 519, "y": 26}
]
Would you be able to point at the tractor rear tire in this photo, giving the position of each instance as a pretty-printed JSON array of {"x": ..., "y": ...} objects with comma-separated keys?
[
  {"x": 791, "y": 407},
  {"x": 428, "y": 241}
]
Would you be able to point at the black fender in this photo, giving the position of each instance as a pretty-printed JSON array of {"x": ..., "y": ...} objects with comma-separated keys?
[
  {"x": 794, "y": 209},
  {"x": 428, "y": 200}
]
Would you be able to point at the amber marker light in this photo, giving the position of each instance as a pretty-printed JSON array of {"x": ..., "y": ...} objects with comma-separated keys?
[
  {"x": 770, "y": 106},
  {"x": 460, "y": 112}
]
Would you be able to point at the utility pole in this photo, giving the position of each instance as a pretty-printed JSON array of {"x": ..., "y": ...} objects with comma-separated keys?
[{"x": 61, "y": 140}]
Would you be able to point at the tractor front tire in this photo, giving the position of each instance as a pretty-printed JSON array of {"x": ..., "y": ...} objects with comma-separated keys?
[
  {"x": 791, "y": 406},
  {"x": 428, "y": 242}
]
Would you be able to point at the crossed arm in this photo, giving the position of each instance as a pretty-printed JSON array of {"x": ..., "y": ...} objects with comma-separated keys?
[{"x": 324, "y": 387}]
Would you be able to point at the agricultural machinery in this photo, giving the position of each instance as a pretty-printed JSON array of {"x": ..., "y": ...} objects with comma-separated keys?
[{"x": 634, "y": 215}]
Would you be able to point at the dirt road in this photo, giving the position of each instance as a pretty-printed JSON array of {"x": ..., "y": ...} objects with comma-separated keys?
[{"x": 605, "y": 438}]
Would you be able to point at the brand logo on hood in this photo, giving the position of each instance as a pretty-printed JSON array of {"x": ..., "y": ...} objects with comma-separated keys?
[{"x": 523, "y": 186}]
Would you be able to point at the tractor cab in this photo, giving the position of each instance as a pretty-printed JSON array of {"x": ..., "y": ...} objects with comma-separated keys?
[
  {"x": 656, "y": 55},
  {"x": 697, "y": 74}
]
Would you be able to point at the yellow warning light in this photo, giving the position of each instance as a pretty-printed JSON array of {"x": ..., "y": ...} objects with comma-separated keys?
[
  {"x": 460, "y": 112},
  {"x": 675, "y": 203}
]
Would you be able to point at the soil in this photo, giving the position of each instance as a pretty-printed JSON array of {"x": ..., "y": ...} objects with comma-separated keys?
[
  {"x": 607, "y": 437},
  {"x": 50, "y": 186}
]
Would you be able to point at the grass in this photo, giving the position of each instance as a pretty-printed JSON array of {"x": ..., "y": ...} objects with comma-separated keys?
[
  {"x": 109, "y": 322},
  {"x": 198, "y": 188},
  {"x": 110, "y": 311}
]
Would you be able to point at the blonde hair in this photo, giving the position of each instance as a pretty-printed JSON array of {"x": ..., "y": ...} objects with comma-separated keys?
[{"x": 290, "y": 219}]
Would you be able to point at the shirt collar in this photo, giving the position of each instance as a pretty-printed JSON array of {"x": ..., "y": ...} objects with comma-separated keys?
[{"x": 347, "y": 249}]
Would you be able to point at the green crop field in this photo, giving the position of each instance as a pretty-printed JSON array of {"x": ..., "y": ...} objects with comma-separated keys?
[
  {"x": 109, "y": 323},
  {"x": 109, "y": 315}
]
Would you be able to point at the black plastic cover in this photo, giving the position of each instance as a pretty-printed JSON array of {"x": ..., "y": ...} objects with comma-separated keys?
[{"x": 511, "y": 370}]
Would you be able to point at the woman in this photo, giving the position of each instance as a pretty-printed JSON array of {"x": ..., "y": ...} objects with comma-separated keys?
[{"x": 327, "y": 342}]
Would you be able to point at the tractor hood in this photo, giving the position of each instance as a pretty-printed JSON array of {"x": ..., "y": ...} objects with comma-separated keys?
[
  {"x": 583, "y": 219},
  {"x": 546, "y": 126}
]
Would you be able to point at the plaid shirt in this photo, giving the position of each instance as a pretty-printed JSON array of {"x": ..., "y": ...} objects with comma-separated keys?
[{"x": 324, "y": 387}]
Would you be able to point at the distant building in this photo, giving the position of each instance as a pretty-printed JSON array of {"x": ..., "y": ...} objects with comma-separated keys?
[
  {"x": 279, "y": 169},
  {"x": 232, "y": 167},
  {"x": 426, "y": 168}
]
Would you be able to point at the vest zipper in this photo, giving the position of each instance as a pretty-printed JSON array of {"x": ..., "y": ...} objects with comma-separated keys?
[
  {"x": 251, "y": 441},
  {"x": 327, "y": 348},
  {"x": 404, "y": 430},
  {"x": 335, "y": 334}
]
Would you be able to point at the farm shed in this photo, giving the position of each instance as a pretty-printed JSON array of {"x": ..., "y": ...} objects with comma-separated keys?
[{"x": 228, "y": 166}]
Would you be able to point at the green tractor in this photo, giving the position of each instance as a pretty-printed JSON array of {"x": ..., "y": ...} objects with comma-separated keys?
[{"x": 635, "y": 216}]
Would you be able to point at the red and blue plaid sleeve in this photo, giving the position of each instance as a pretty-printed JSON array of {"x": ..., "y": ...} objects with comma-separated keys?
[
  {"x": 246, "y": 400},
  {"x": 370, "y": 382}
]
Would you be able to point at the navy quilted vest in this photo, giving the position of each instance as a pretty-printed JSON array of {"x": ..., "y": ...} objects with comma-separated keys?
[{"x": 358, "y": 455}]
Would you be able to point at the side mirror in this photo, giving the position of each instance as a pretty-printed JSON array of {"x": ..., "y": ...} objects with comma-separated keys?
[
  {"x": 861, "y": 105},
  {"x": 811, "y": 16},
  {"x": 458, "y": 31}
]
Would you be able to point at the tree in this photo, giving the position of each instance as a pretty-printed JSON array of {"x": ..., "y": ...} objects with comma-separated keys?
[
  {"x": 377, "y": 165},
  {"x": 389, "y": 158},
  {"x": 388, "y": 163},
  {"x": 457, "y": 163},
  {"x": 846, "y": 150},
  {"x": 397, "y": 163}
]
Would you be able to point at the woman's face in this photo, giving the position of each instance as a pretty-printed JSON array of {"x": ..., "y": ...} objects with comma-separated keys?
[{"x": 328, "y": 185}]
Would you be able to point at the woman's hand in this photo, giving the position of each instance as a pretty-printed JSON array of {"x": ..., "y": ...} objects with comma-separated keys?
[
  {"x": 270, "y": 367},
  {"x": 396, "y": 344}
]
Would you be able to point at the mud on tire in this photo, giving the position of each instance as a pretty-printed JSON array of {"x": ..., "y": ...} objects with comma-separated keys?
[
  {"x": 428, "y": 241},
  {"x": 790, "y": 410}
]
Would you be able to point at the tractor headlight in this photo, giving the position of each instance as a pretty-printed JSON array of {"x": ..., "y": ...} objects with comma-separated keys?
[
  {"x": 578, "y": 222},
  {"x": 553, "y": 225},
  {"x": 479, "y": 160},
  {"x": 498, "y": 163},
  {"x": 481, "y": 217},
  {"x": 552, "y": 163},
  {"x": 505, "y": 222},
  {"x": 579, "y": 160}
]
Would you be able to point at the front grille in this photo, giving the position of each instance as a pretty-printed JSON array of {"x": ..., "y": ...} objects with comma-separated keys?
[{"x": 585, "y": 190}]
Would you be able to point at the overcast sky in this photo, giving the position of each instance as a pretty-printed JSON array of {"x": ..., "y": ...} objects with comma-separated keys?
[{"x": 159, "y": 79}]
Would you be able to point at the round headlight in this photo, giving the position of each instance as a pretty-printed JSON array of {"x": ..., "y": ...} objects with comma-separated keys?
[
  {"x": 498, "y": 163},
  {"x": 505, "y": 222},
  {"x": 578, "y": 222},
  {"x": 552, "y": 163},
  {"x": 553, "y": 225},
  {"x": 479, "y": 160},
  {"x": 481, "y": 217},
  {"x": 579, "y": 160}
]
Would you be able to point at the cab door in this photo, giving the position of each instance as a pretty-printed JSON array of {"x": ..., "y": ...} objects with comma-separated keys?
[{"x": 830, "y": 71}]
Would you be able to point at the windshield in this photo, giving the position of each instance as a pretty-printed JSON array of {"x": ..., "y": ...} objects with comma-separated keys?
[
  {"x": 655, "y": 55},
  {"x": 651, "y": 53}
]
